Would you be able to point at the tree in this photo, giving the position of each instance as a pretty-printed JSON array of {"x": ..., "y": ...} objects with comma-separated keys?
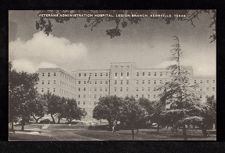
[
  {"x": 46, "y": 24},
  {"x": 147, "y": 105},
  {"x": 108, "y": 108},
  {"x": 38, "y": 107},
  {"x": 53, "y": 106},
  {"x": 72, "y": 111},
  {"x": 22, "y": 92},
  {"x": 178, "y": 93},
  {"x": 132, "y": 114}
]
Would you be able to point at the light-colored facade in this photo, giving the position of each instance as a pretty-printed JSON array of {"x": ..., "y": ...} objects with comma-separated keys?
[
  {"x": 56, "y": 81},
  {"x": 121, "y": 79}
]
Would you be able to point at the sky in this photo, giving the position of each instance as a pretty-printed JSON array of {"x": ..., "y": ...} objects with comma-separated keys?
[{"x": 71, "y": 46}]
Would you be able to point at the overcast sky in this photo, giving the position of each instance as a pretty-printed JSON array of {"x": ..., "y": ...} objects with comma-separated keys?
[{"x": 71, "y": 46}]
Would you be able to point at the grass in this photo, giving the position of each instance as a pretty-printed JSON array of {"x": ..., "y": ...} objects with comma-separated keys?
[{"x": 73, "y": 133}]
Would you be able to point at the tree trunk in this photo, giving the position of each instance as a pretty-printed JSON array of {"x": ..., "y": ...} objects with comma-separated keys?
[
  {"x": 158, "y": 128},
  {"x": 12, "y": 126},
  {"x": 204, "y": 131},
  {"x": 53, "y": 120},
  {"x": 59, "y": 120},
  {"x": 184, "y": 132},
  {"x": 132, "y": 131},
  {"x": 137, "y": 131},
  {"x": 22, "y": 125},
  {"x": 110, "y": 124}
]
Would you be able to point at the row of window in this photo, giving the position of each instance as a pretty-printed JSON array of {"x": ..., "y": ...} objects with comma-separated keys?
[
  {"x": 90, "y": 74},
  {"x": 207, "y": 81},
  {"x": 95, "y": 89},
  {"x": 149, "y": 73},
  {"x": 48, "y": 82},
  {"x": 95, "y": 82},
  {"x": 149, "y": 81},
  {"x": 121, "y": 82},
  {"x": 49, "y": 74}
]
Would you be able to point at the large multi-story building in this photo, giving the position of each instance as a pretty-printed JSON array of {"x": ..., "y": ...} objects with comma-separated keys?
[{"x": 121, "y": 79}]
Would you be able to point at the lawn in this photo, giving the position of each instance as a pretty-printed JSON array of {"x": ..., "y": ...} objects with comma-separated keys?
[{"x": 71, "y": 133}]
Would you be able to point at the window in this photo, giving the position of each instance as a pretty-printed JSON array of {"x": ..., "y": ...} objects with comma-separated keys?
[
  {"x": 148, "y": 96},
  {"x": 207, "y": 88},
  {"x": 143, "y": 73},
  {"x": 53, "y": 89},
  {"x": 95, "y": 96},
  {"x": 48, "y": 89},
  {"x": 115, "y": 89},
  {"x": 54, "y": 81},
  {"x": 121, "y": 89},
  {"x": 84, "y": 103},
  {"x": 121, "y": 82},
  {"x": 136, "y": 81},
  {"x": 127, "y": 81},
  {"x": 149, "y": 81},
  {"x": 127, "y": 89},
  {"x": 200, "y": 81},
  {"x": 54, "y": 74},
  {"x": 48, "y": 74},
  {"x": 207, "y": 81},
  {"x": 148, "y": 88},
  {"x": 78, "y": 89},
  {"x": 115, "y": 74},
  {"x": 121, "y": 74},
  {"x": 84, "y": 89},
  {"x": 84, "y": 82},
  {"x": 160, "y": 81},
  {"x": 160, "y": 73},
  {"x": 42, "y": 82},
  {"x": 149, "y": 73},
  {"x": 43, "y": 74},
  {"x": 213, "y": 81},
  {"x": 100, "y": 74},
  {"x": 195, "y": 81},
  {"x": 136, "y": 96},
  {"x": 84, "y": 96},
  {"x": 48, "y": 81},
  {"x": 115, "y": 82},
  {"x": 95, "y": 89},
  {"x": 106, "y": 82},
  {"x": 78, "y": 82},
  {"x": 155, "y": 74},
  {"x": 142, "y": 96},
  {"x": 42, "y": 90},
  {"x": 143, "y": 81},
  {"x": 136, "y": 88},
  {"x": 213, "y": 88},
  {"x": 100, "y": 89},
  {"x": 106, "y": 74},
  {"x": 95, "y": 82},
  {"x": 78, "y": 96},
  {"x": 95, "y": 74},
  {"x": 200, "y": 96},
  {"x": 105, "y": 89},
  {"x": 79, "y": 74},
  {"x": 143, "y": 88},
  {"x": 127, "y": 73},
  {"x": 85, "y": 74},
  {"x": 137, "y": 73},
  {"x": 154, "y": 81}
]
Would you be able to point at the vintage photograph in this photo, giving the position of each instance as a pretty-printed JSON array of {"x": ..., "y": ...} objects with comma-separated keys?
[{"x": 103, "y": 75}]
